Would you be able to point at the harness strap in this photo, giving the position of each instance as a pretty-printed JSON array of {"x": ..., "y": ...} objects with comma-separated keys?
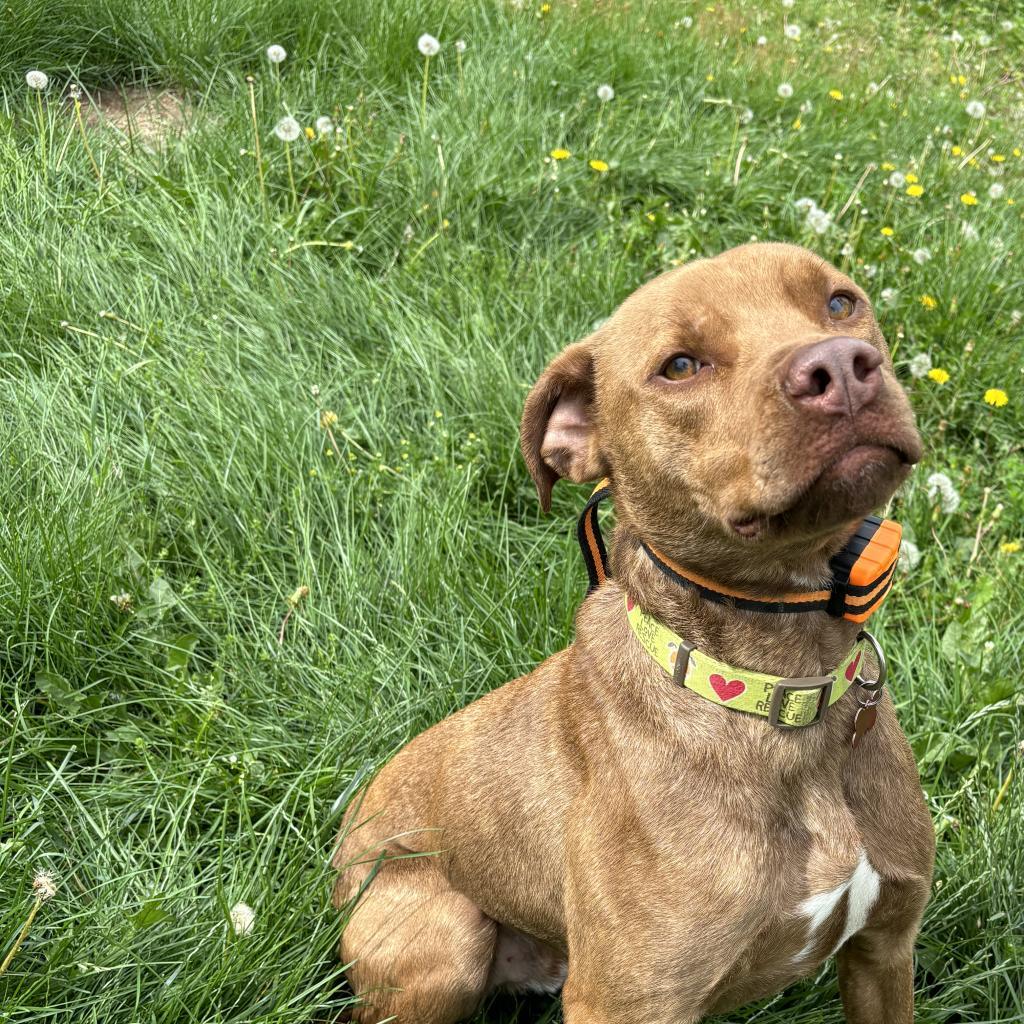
[{"x": 862, "y": 573}]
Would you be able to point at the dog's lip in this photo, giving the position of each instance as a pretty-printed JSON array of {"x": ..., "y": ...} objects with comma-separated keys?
[{"x": 756, "y": 525}]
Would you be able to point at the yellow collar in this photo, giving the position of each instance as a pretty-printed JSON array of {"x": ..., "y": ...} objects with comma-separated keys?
[{"x": 787, "y": 703}]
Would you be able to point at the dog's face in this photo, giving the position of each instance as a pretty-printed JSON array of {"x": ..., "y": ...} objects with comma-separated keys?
[{"x": 746, "y": 399}]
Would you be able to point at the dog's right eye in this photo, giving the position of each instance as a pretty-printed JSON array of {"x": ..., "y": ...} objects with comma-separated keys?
[{"x": 681, "y": 367}]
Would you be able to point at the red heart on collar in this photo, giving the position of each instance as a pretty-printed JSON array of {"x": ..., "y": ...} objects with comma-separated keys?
[
  {"x": 726, "y": 690},
  {"x": 851, "y": 669}
]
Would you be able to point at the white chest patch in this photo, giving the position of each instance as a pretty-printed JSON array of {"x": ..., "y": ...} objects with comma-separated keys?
[{"x": 862, "y": 888}]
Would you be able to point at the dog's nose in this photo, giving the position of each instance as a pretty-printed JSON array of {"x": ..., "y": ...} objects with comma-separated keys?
[{"x": 836, "y": 376}]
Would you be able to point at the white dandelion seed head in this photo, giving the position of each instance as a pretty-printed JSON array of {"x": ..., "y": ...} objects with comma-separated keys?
[
  {"x": 788, "y": 3},
  {"x": 996, "y": 190},
  {"x": 276, "y": 54},
  {"x": 1006, "y": 26},
  {"x": 243, "y": 918},
  {"x": 428, "y": 45},
  {"x": 287, "y": 129},
  {"x": 43, "y": 884},
  {"x": 941, "y": 488},
  {"x": 873, "y": 87},
  {"x": 460, "y": 45},
  {"x": 805, "y": 203},
  {"x": 792, "y": 31},
  {"x": 888, "y": 296},
  {"x": 984, "y": 39},
  {"x": 869, "y": 271},
  {"x": 785, "y": 90},
  {"x": 605, "y": 93},
  {"x": 847, "y": 250},
  {"x": 975, "y": 109},
  {"x": 970, "y": 232},
  {"x": 324, "y": 125},
  {"x": 896, "y": 179},
  {"x": 746, "y": 115},
  {"x": 910, "y": 556},
  {"x": 1016, "y": 316},
  {"x": 762, "y": 40},
  {"x": 921, "y": 256},
  {"x": 806, "y": 107},
  {"x": 955, "y": 38},
  {"x": 818, "y": 220},
  {"x": 37, "y": 79},
  {"x": 920, "y": 365},
  {"x": 686, "y": 22}
]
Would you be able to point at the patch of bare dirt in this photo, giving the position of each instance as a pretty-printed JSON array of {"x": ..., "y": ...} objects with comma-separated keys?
[{"x": 145, "y": 115}]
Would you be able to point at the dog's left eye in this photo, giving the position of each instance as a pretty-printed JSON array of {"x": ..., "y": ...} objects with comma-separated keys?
[
  {"x": 681, "y": 367},
  {"x": 840, "y": 306}
]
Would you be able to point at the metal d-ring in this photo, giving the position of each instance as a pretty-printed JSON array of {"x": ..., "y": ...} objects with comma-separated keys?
[{"x": 872, "y": 686}]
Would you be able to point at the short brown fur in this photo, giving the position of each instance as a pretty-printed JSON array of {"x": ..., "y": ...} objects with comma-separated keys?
[{"x": 594, "y": 820}]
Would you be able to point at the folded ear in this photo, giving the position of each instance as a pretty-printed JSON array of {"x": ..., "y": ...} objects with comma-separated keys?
[{"x": 558, "y": 434}]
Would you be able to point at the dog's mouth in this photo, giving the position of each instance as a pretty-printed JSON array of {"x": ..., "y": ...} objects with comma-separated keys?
[{"x": 851, "y": 484}]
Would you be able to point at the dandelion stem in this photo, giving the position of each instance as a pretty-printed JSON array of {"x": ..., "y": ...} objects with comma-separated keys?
[
  {"x": 423, "y": 97},
  {"x": 21, "y": 937},
  {"x": 42, "y": 128},
  {"x": 291, "y": 176},
  {"x": 249, "y": 81},
  {"x": 458, "y": 61},
  {"x": 85, "y": 142}
]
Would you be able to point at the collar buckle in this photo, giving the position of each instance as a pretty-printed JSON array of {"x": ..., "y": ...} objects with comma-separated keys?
[{"x": 802, "y": 694}]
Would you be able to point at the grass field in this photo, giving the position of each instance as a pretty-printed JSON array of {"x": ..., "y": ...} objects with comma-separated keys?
[{"x": 223, "y": 379}]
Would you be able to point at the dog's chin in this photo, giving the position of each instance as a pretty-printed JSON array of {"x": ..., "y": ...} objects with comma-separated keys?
[{"x": 851, "y": 486}]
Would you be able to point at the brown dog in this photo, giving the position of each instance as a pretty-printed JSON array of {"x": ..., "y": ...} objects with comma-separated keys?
[{"x": 595, "y": 822}]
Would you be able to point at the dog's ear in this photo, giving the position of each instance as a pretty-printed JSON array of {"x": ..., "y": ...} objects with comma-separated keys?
[{"x": 558, "y": 434}]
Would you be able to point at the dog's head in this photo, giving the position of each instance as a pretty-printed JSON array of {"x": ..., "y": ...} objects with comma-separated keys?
[{"x": 743, "y": 400}]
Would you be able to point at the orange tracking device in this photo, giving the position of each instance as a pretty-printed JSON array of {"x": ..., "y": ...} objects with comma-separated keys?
[{"x": 863, "y": 571}]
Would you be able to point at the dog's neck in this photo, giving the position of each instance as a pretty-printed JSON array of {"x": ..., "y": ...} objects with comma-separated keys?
[{"x": 790, "y": 645}]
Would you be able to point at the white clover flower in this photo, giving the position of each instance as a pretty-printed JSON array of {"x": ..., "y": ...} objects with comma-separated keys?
[
  {"x": 847, "y": 250},
  {"x": 460, "y": 45},
  {"x": 869, "y": 271},
  {"x": 276, "y": 54},
  {"x": 996, "y": 190},
  {"x": 888, "y": 296},
  {"x": 922, "y": 256},
  {"x": 122, "y": 602},
  {"x": 975, "y": 109},
  {"x": 896, "y": 179},
  {"x": 873, "y": 87},
  {"x": 287, "y": 129},
  {"x": 686, "y": 22},
  {"x": 1016, "y": 316},
  {"x": 762, "y": 40},
  {"x": 243, "y": 918},
  {"x": 324, "y": 125},
  {"x": 605, "y": 93},
  {"x": 428, "y": 45},
  {"x": 37, "y": 79},
  {"x": 746, "y": 115},
  {"x": 955, "y": 38},
  {"x": 792, "y": 31},
  {"x": 806, "y": 107},
  {"x": 910, "y": 556},
  {"x": 920, "y": 365},
  {"x": 785, "y": 90},
  {"x": 941, "y": 487},
  {"x": 43, "y": 884}
]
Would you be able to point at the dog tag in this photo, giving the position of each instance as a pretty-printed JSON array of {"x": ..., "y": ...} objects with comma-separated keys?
[{"x": 863, "y": 723}]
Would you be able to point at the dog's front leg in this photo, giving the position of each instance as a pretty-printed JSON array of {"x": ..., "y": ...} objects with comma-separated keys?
[
  {"x": 876, "y": 978},
  {"x": 587, "y": 1000}
]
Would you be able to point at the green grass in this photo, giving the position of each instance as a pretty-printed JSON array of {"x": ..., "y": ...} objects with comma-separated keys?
[{"x": 168, "y": 761}]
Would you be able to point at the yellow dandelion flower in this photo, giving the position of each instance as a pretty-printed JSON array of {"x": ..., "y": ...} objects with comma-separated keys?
[
  {"x": 961, "y": 80},
  {"x": 911, "y": 178},
  {"x": 328, "y": 419},
  {"x": 545, "y": 8},
  {"x": 888, "y": 231},
  {"x": 560, "y": 154},
  {"x": 709, "y": 77},
  {"x": 969, "y": 200},
  {"x": 835, "y": 94},
  {"x": 928, "y": 301},
  {"x": 997, "y": 397},
  {"x": 938, "y": 374},
  {"x": 1017, "y": 151},
  {"x": 1010, "y": 547},
  {"x": 888, "y": 166},
  {"x": 998, "y": 158},
  {"x": 310, "y": 133},
  {"x": 599, "y": 165},
  {"x": 915, "y": 190},
  {"x": 973, "y": 162},
  {"x": 957, "y": 151}
]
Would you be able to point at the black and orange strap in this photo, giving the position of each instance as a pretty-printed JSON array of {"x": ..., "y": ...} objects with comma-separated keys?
[{"x": 862, "y": 572}]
